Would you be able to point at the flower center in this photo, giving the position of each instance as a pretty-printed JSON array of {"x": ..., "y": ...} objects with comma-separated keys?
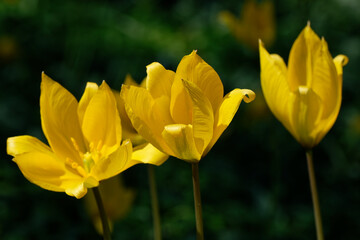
[{"x": 88, "y": 162}]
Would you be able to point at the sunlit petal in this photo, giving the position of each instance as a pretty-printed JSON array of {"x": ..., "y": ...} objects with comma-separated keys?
[
  {"x": 194, "y": 69},
  {"x": 128, "y": 131},
  {"x": 202, "y": 116},
  {"x": 46, "y": 171},
  {"x": 274, "y": 85},
  {"x": 114, "y": 164},
  {"x": 325, "y": 81},
  {"x": 101, "y": 125},
  {"x": 302, "y": 59},
  {"x": 305, "y": 116},
  {"x": 90, "y": 90},
  {"x": 59, "y": 119},
  {"x": 77, "y": 190},
  {"x": 25, "y": 144},
  {"x": 147, "y": 153},
  {"x": 141, "y": 109},
  {"x": 180, "y": 139},
  {"x": 159, "y": 80},
  {"x": 180, "y": 103}
]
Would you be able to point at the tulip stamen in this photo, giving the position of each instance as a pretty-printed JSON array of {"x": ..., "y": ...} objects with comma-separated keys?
[
  {"x": 76, "y": 166},
  {"x": 77, "y": 148}
]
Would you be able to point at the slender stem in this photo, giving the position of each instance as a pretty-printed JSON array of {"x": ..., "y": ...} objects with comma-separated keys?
[
  {"x": 104, "y": 219},
  {"x": 197, "y": 202},
  {"x": 154, "y": 203},
  {"x": 315, "y": 199}
]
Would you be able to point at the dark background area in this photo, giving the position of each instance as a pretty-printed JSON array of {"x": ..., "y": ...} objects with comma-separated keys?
[{"x": 254, "y": 181}]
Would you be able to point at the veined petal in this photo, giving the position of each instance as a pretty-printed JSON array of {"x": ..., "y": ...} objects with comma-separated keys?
[
  {"x": 90, "y": 90},
  {"x": 302, "y": 58},
  {"x": 101, "y": 125},
  {"x": 325, "y": 81},
  {"x": 25, "y": 144},
  {"x": 59, "y": 119},
  {"x": 274, "y": 85},
  {"x": 159, "y": 80},
  {"x": 328, "y": 120},
  {"x": 147, "y": 153},
  {"x": 180, "y": 139},
  {"x": 180, "y": 103},
  {"x": 47, "y": 171},
  {"x": 128, "y": 131},
  {"x": 202, "y": 116},
  {"x": 144, "y": 115},
  {"x": 305, "y": 117},
  {"x": 227, "y": 111},
  {"x": 41, "y": 166},
  {"x": 194, "y": 69},
  {"x": 108, "y": 167}
]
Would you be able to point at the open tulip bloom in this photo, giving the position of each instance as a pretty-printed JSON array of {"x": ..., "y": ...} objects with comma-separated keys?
[
  {"x": 306, "y": 95},
  {"x": 183, "y": 113},
  {"x": 85, "y": 142}
]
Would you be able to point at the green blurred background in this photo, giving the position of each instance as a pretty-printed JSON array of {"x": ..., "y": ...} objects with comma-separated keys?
[{"x": 254, "y": 181}]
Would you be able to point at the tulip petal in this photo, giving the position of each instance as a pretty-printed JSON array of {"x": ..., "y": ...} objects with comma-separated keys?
[
  {"x": 302, "y": 57},
  {"x": 180, "y": 139},
  {"x": 76, "y": 190},
  {"x": 108, "y": 167},
  {"x": 227, "y": 111},
  {"x": 59, "y": 119},
  {"x": 325, "y": 81},
  {"x": 274, "y": 85},
  {"x": 42, "y": 167},
  {"x": 47, "y": 171},
  {"x": 202, "y": 116},
  {"x": 147, "y": 153},
  {"x": 159, "y": 80},
  {"x": 90, "y": 90},
  {"x": 144, "y": 115},
  {"x": 25, "y": 144},
  {"x": 101, "y": 125},
  {"x": 128, "y": 131},
  {"x": 194, "y": 69},
  {"x": 180, "y": 103},
  {"x": 305, "y": 117}
]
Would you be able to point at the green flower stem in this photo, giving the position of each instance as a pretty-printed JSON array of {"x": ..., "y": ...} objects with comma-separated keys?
[
  {"x": 315, "y": 199},
  {"x": 197, "y": 202},
  {"x": 104, "y": 219},
  {"x": 154, "y": 203}
]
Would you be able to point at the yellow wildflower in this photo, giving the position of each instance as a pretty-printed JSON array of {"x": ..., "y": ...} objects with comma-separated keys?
[
  {"x": 84, "y": 138},
  {"x": 184, "y": 113},
  {"x": 305, "y": 96}
]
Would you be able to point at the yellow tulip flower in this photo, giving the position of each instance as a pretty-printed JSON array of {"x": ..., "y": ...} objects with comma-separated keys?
[
  {"x": 305, "y": 96},
  {"x": 84, "y": 138},
  {"x": 257, "y": 20},
  {"x": 184, "y": 113}
]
